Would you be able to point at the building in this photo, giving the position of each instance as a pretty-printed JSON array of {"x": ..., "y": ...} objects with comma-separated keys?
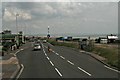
[{"x": 8, "y": 39}]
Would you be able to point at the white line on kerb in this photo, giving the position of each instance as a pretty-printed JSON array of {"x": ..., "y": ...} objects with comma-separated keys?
[
  {"x": 84, "y": 71},
  {"x": 70, "y": 62},
  {"x": 21, "y": 49},
  {"x": 20, "y": 72},
  {"x": 14, "y": 55},
  {"x": 48, "y": 58},
  {"x": 17, "y": 51},
  {"x": 58, "y": 72},
  {"x": 62, "y": 57},
  {"x": 52, "y": 63},
  {"x": 56, "y": 53},
  {"x": 53, "y": 51},
  {"x": 111, "y": 69}
]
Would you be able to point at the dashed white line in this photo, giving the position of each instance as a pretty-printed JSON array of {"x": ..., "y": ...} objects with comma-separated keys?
[
  {"x": 62, "y": 57},
  {"x": 45, "y": 54},
  {"x": 48, "y": 58},
  {"x": 58, "y": 71},
  {"x": 111, "y": 69},
  {"x": 44, "y": 51},
  {"x": 56, "y": 53},
  {"x": 70, "y": 62},
  {"x": 51, "y": 63},
  {"x": 84, "y": 71},
  {"x": 20, "y": 72}
]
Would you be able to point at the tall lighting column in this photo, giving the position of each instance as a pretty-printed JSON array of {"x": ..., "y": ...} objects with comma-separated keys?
[{"x": 17, "y": 38}]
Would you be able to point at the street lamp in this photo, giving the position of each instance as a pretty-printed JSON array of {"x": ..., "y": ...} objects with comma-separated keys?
[
  {"x": 17, "y": 37},
  {"x": 16, "y": 23}
]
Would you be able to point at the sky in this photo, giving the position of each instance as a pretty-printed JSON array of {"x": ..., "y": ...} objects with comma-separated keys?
[{"x": 61, "y": 17}]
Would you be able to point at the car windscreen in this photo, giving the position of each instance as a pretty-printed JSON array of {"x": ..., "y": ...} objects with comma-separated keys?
[{"x": 36, "y": 45}]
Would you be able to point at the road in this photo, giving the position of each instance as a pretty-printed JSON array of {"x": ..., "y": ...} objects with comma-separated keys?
[{"x": 62, "y": 62}]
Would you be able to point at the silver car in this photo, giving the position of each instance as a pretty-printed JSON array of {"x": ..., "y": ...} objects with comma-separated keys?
[
  {"x": 37, "y": 47},
  {"x": 44, "y": 41}
]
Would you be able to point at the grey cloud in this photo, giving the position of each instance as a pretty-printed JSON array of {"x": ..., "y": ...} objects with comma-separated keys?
[{"x": 84, "y": 17}]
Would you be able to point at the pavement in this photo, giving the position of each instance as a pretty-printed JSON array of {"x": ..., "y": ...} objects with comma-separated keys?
[{"x": 9, "y": 64}]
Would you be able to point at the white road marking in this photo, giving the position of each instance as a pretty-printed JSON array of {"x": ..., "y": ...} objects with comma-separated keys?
[
  {"x": 56, "y": 53},
  {"x": 84, "y": 71},
  {"x": 58, "y": 71},
  {"x": 82, "y": 51},
  {"x": 111, "y": 69},
  {"x": 53, "y": 51},
  {"x": 17, "y": 51},
  {"x": 48, "y": 58},
  {"x": 52, "y": 63},
  {"x": 70, "y": 62},
  {"x": 14, "y": 55},
  {"x": 20, "y": 72},
  {"x": 62, "y": 57},
  {"x": 21, "y": 49},
  {"x": 43, "y": 50},
  {"x": 45, "y": 54}
]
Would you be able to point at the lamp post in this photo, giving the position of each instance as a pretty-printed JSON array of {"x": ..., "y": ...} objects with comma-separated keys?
[
  {"x": 24, "y": 29},
  {"x": 16, "y": 23},
  {"x": 17, "y": 37}
]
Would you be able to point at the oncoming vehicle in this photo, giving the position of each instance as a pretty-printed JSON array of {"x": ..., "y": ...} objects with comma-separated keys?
[
  {"x": 44, "y": 41},
  {"x": 37, "y": 47}
]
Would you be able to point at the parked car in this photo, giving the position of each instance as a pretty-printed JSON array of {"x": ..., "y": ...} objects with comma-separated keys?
[
  {"x": 44, "y": 41},
  {"x": 37, "y": 47}
]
